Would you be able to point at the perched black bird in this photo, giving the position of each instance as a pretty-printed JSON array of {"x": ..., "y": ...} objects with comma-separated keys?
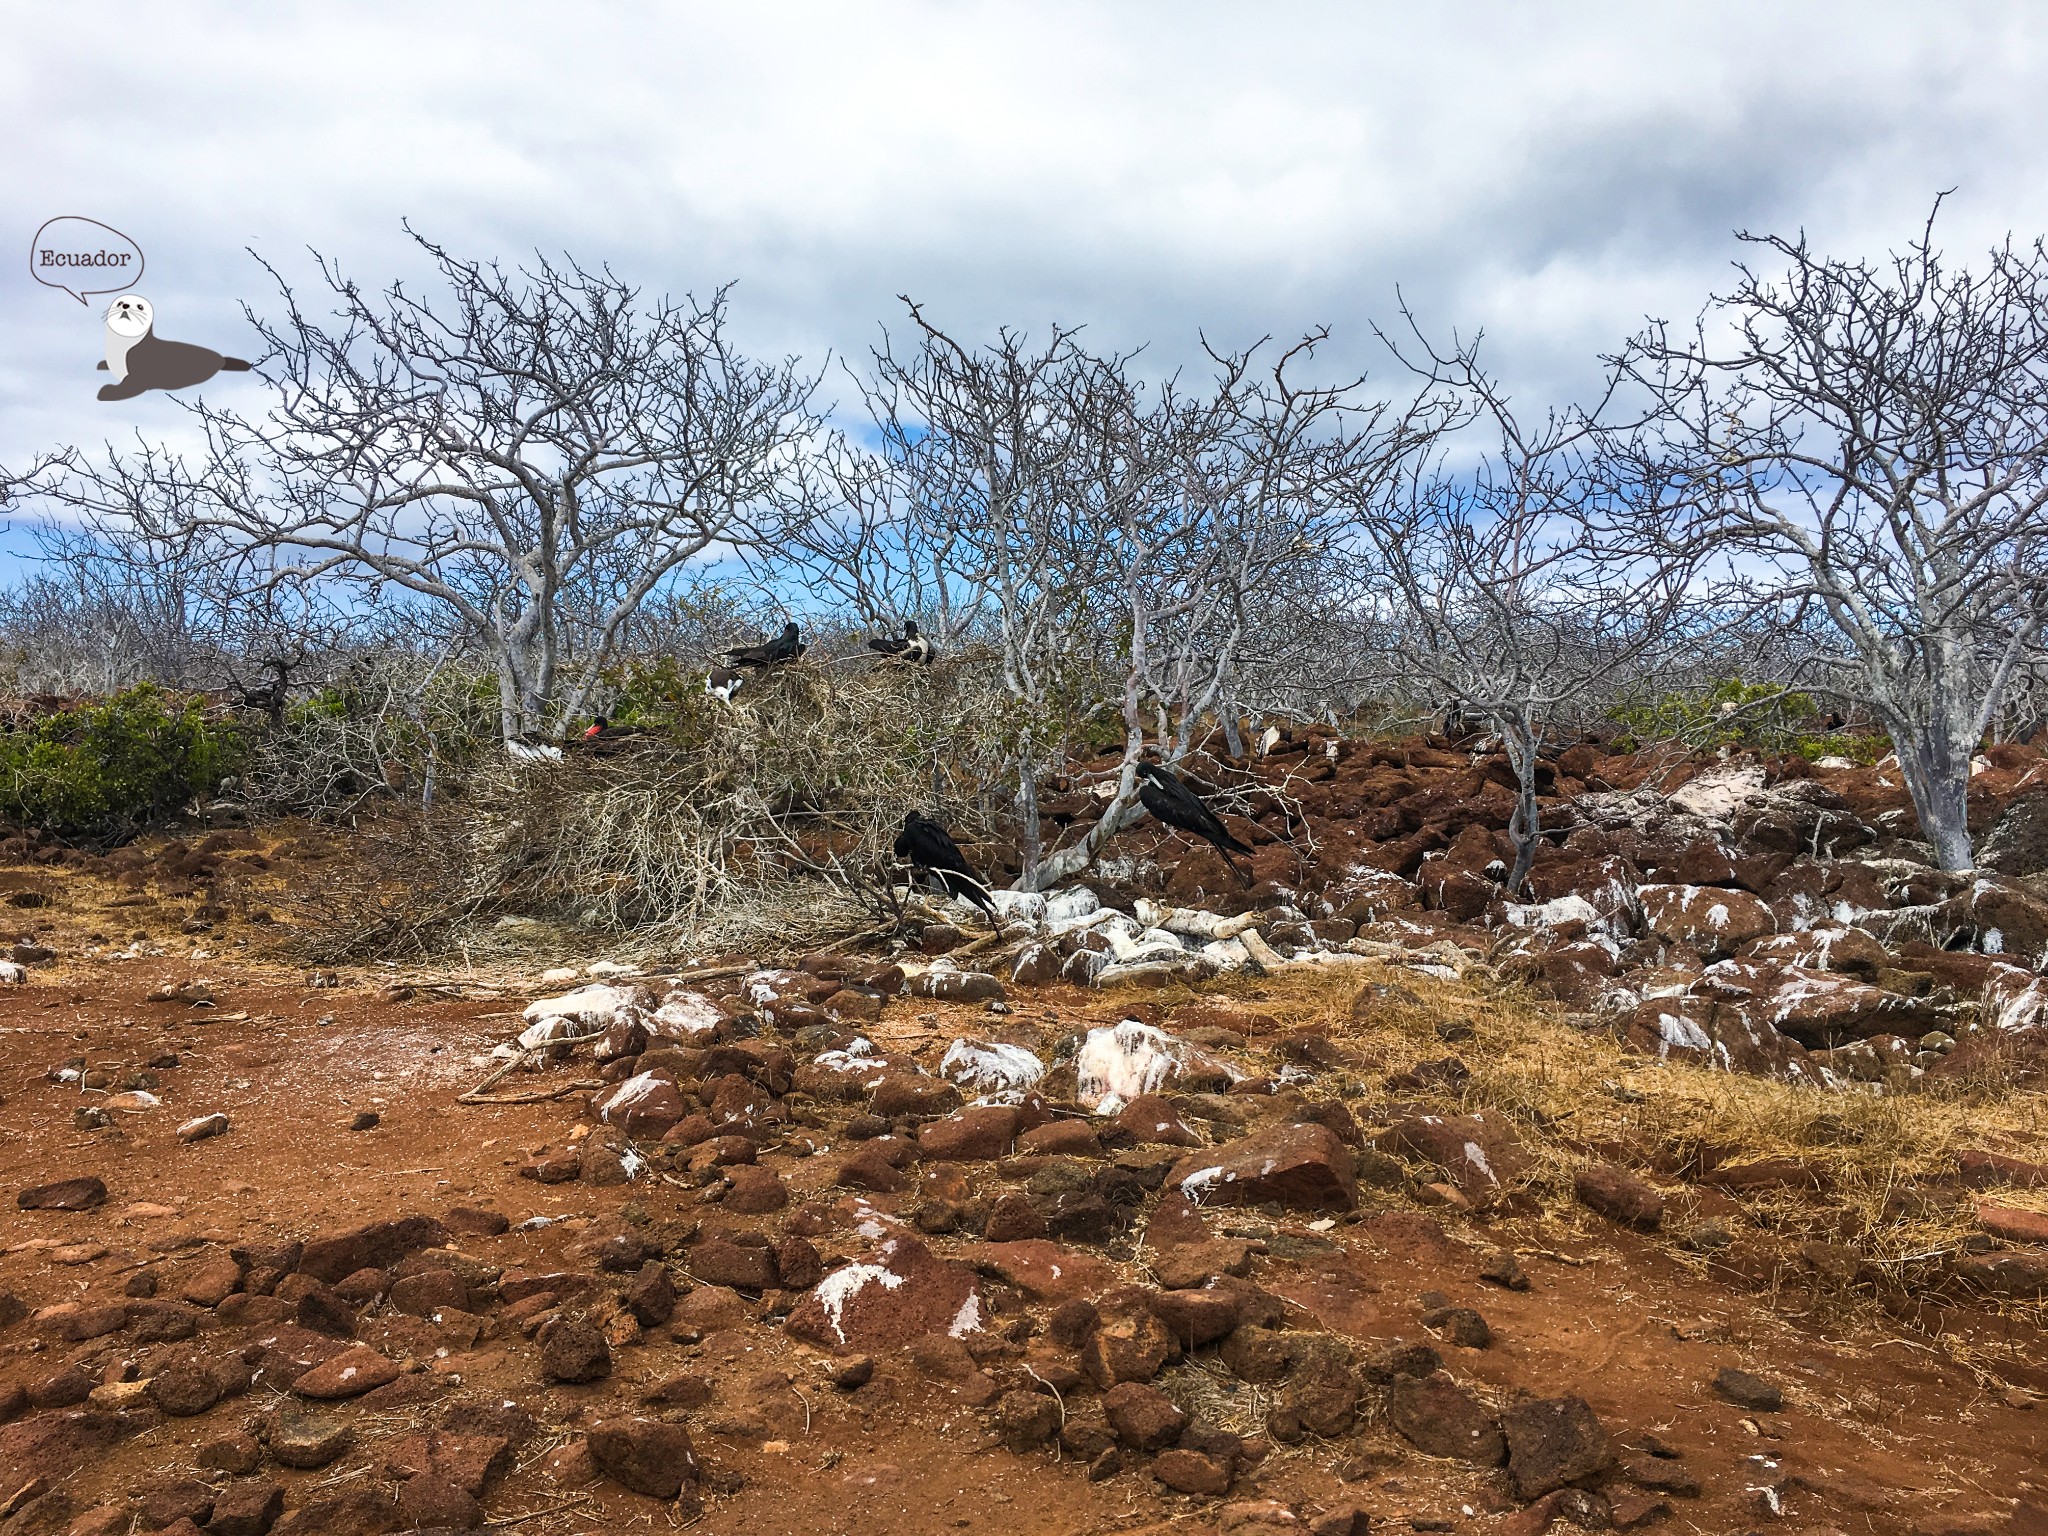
[
  {"x": 784, "y": 647},
  {"x": 929, "y": 846},
  {"x": 913, "y": 649},
  {"x": 1175, "y": 804},
  {"x": 722, "y": 683}
]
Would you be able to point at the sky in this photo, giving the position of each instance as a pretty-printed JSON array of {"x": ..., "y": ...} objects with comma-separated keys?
[{"x": 1547, "y": 173}]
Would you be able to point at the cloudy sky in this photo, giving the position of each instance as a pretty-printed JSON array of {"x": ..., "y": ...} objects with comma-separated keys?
[{"x": 1548, "y": 172}]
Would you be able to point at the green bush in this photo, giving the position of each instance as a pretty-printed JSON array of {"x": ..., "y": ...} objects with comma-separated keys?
[
  {"x": 100, "y": 774},
  {"x": 1763, "y": 717}
]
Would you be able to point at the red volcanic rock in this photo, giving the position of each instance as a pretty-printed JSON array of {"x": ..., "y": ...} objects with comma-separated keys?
[
  {"x": 902, "y": 1291},
  {"x": 1304, "y": 1167}
]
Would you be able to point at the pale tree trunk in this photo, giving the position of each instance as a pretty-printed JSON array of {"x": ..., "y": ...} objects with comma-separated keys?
[
  {"x": 1936, "y": 767},
  {"x": 1525, "y": 827},
  {"x": 1122, "y": 810},
  {"x": 1026, "y": 801}
]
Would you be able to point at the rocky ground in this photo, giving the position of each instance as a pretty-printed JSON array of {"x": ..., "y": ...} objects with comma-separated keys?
[
  {"x": 1346, "y": 1228},
  {"x": 1774, "y": 917}
]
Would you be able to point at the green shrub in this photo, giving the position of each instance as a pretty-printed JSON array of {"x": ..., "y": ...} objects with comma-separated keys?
[
  {"x": 1763, "y": 717},
  {"x": 100, "y": 774}
]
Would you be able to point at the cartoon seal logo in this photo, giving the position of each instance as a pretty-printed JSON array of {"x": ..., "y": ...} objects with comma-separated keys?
[{"x": 140, "y": 360}]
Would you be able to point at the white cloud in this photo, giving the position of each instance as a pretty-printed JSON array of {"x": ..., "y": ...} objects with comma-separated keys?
[{"x": 1548, "y": 173}]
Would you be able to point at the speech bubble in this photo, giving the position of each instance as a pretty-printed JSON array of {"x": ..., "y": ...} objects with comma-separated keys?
[{"x": 74, "y": 254}]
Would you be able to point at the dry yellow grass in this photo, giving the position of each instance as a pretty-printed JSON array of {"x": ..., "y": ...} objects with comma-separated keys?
[{"x": 1571, "y": 1090}]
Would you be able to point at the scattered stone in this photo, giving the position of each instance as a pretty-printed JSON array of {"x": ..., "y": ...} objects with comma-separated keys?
[
  {"x": 1620, "y": 1196},
  {"x": 1142, "y": 1417},
  {"x": 754, "y": 1190},
  {"x": 324, "y": 1310},
  {"x": 1182, "y": 1266},
  {"x": 1192, "y": 1472},
  {"x": 741, "y": 1266},
  {"x": 1151, "y": 1120},
  {"x": 172, "y": 1502},
  {"x": 367, "y": 1120},
  {"x": 246, "y": 1508},
  {"x": 2012, "y": 1224},
  {"x": 356, "y": 1511},
  {"x": 377, "y": 1245},
  {"x": 1026, "y": 1421},
  {"x": 2020, "y": 1274},
  {"x": 646, "y": 1456},
  {"x": 685, "y": 1391},
  {"x": 1343, "y": 1520},
  {"x": 1632, "y": 1512},
  {"x": 901, "y": 1292},
  {"x": 1303, "y": 1167},
  {"x": 468, "y": 1221},
  {"x": 349, "y": 1374},
  {"x": 1581, "y": 1509},
  {"x": 651, "y": 1298},
  {"x": 956, "y": 986},
  {"x": 1195, "y": 1317},
  {"x": 212, "y": 1282},
  {"x": 1747, "y": 1390},
  {"x": 307, "y": 1438},
  {"x": 1552, "y": 1442},
  {"x": 980, "y": 1132},
  {"x": 1481, "y": 1153},
  {"x": 1713, "y": 920},
  {"x": 204, "y": 1127},
  {"x": 647, "y": 1106},
  {"x": 428, "y": 1292},
  {"x": 574, "y": 1352},
  {"x": 1983, "y": 1170},
  {"x": 1461, "y": 1325},
  {"x": 431, "y": 1502},
  {"x": 1129, "y": 1348},
  {"x": 184, "y": 1389},
  {"x": 80, "y": 1194},
  {"x": 235, "y": 1455},
  {"x": 1440, "y": 1418},
  {"x": 1045, "y": 1271}
]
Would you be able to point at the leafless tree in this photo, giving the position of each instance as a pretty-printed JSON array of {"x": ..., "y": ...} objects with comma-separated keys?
[
  {"x": 1876, "y": 438},
  {"x": 110, "y": 607},
  {"x": 537, "y": 452},
  {"x": 1517, "y": 585},
  {"x": 1114, "y": 540}
]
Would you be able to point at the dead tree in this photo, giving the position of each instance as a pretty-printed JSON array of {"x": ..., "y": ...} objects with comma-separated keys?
[
  {"x": 536, "y": 452},
  {"x": 1516, "y": 585},
  {"x": 1111, "y": 538},
  {"x": 1876, "y": 440}
]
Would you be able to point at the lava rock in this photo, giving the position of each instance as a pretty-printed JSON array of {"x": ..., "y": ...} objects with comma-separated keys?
[
  {"x": 574, "y": 1352},
  {"x": 80, "y": 1194},
  {"x": 1748, "y": 1390},
  {"x": 1552, "y": 1442},
  {"x": 647, "y": 1456},
  {"x": 307, "y": 1438},
  {"x": 1142, "y": 1417},
  {"x": 1303, "y": 1167},
  {"x": 1440, "y": 1418},
  {"x": 1026, "y": 1421},
  {"x": 1620, "y": 1196},
  {"x": 246, "y": 1508}
]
